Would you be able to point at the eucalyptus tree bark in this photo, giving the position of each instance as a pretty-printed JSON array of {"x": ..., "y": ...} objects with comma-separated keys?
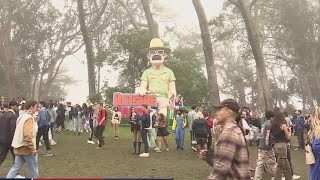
[
  {"x": 208, "y": 53},
  {"x": 7, "y": 58},
  {"x": 254, "y": 41},
  {"x": 89, "y": 48},
  {"x": 153, "y": 26}
]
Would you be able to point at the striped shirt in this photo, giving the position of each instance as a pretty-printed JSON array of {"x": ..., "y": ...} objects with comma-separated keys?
[{"x": 231, "y": 156}]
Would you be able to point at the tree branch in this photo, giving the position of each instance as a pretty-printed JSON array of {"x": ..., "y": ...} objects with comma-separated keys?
[
  {"x": 131, "y": 16},
  {"x": 252, "y": 3},
  {"x": 234, "y": 2}
]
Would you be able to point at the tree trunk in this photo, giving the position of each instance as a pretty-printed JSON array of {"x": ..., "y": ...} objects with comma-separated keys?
[
  {"x": 208, "y": 53},
  {"x": 254, "y": 41},
  {"x": 153, "y": 26},
  {"x": 306, "y": 88},
  {"x": 99, "y": 77},
  {"x": 89, "y": 48},
  {"x": 7, "y": 59},
  {"x": 34, "y": 87}
]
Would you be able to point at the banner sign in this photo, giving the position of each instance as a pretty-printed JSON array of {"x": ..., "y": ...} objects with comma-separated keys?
[{"x": 125, "y": 101}]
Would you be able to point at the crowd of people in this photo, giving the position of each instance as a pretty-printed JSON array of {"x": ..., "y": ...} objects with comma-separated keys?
[{"x": 25, "y": 124}]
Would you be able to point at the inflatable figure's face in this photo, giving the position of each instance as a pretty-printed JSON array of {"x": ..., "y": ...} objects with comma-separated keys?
[{"x": 156, "y": 56}]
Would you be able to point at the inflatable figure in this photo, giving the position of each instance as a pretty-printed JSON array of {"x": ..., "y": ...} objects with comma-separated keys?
[{"x": 158, "y": 79}]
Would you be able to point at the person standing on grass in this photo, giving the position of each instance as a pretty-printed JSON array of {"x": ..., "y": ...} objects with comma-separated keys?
[
  {"x": 210, "y": 125},
  {"x": 61, "y": 116},
  {"x": 162, "y": 133},
  {"x": 281, "y": 135},
  {"x": 266, "y": 156},
  {"x": 91, "y": 129},
  {"x": 231, "y": 155},
  {"x": 201, "y": 131},
  {"x": 144, "y": 122},
  {"x": 191, "y": 117},
  {"x": 7, "y": 127},
  {"x": 179, "y": 123},
  {"x": 300, "y": 130},
  {"x": 135, "y": 129},
  {"x": 43, "y": 128},
  {"x": 116, "y": 121},
  {"x": 24, "y": 142},
  {"x": 102, "y": 122},
  {"x": 53, "y": 116}
]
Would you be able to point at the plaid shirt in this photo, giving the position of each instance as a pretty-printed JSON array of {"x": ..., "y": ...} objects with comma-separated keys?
[{"x": 231, "y": 156}]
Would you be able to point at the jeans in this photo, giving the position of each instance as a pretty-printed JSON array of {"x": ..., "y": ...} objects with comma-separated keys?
[
  {"x": 4, "y": 149},
  {"x": 30, "y": 160},
  {"x": 43, "y": 131},
  {"x": 152, "y": 137},
  {"x": 300, "y": 139},
  {"x": 144, "y": 136},
  {"x": 180, "y": 137},
  {"x": 77, "y": 124},
  {"x": 91, "y": 129}
]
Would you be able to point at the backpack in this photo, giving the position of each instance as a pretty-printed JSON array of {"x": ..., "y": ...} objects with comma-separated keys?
[
  {"x": 48, "y": 116},
  {"x": 201, "y": 128}
]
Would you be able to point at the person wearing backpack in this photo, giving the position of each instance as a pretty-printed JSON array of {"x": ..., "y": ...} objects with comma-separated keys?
[
  {"x": 201, "y": 131},
  {"x": 43, "y": 128}
]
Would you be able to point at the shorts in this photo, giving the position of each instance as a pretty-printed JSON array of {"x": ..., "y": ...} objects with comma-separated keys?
[{"x": 115, "y": 121}]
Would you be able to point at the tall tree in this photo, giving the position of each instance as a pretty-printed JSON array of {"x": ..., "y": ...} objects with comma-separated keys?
[
  {"x": 245, "y": 8},
  {"x": 208, "y": 52},
  {"x": 89, "y": 48},
  {"x": 153, "y": 26}
]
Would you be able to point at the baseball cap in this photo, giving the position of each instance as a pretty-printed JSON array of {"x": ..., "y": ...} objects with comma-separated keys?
[{"x": 229, "y": 103}]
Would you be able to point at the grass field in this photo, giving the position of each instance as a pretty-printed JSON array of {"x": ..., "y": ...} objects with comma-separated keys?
[{"x": 74, "y": 158}]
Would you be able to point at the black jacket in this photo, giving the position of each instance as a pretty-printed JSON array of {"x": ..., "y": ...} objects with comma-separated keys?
[
  {"x": 8, "y": 122},
  {"x": 200, "y": 128},
  {"x": 145, "y": 120}
]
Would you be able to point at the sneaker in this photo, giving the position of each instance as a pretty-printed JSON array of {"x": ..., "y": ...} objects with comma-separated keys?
[
  {"x": 167, "y": 149},
  {"x": 53, "y": 143},
  {"x": 19, "y": 177},
  {"x": 40, "y": 144},
  {"x": 295, "y": 177},
  {"x": 90, "y": 142},
  {"x": 194, "y": 149},
  {"x": 47, "y": 154},
  {"x": 156, "y": 149},
  {"x": 181, "y": 149},
  {"x": 144, "y": 155}
]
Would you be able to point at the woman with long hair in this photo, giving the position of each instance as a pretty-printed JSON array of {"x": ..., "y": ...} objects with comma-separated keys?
[
  {"x": 135, "y": 129},
  {"x": 210, "y": 125},
  {"x": 116, "y": 121},
  {"x": 162, "y": 132},
  {"x": 281, "y": 135},
  {"x": 314, "y": 140},
  {"x": 60, "y": 118}
]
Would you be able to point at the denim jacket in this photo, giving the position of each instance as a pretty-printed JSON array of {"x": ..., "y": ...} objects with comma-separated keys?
[{"x": 43, "y": 118}]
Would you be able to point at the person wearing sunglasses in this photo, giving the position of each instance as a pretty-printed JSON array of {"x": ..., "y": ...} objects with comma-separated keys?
[{"x": 158, "y": 79}]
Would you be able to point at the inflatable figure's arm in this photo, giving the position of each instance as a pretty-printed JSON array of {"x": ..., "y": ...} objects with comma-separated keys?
[
  {"x": 143, "y": 88},
  {"x": 172, "y": 88},
  {"x": 143, "y": 84}
]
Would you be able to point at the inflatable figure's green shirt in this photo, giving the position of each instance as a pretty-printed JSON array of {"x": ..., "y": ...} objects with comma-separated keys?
[{"x": 158, "y": 80}]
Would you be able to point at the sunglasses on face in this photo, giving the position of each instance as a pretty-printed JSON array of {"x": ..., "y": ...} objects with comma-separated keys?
[{"x": 156, "y": 52}]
